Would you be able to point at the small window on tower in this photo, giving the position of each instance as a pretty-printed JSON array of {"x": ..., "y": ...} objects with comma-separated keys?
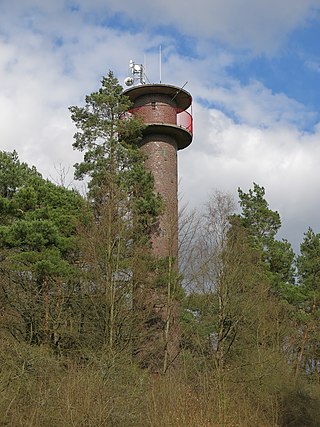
[{"x": 153, "y": 105}]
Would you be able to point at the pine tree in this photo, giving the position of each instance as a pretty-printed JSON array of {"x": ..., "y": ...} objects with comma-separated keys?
[
  {"x": 308, "y": 306},
  {"x": 116, "y": 246},
  {"x": 38, "y": 252},
  {"x": 262, "y": 224}
]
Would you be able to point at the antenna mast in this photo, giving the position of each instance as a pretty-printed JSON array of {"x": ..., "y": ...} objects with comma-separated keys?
[
  {"x": 137, "y": 74},
  {"x": 160, "y": 63}
]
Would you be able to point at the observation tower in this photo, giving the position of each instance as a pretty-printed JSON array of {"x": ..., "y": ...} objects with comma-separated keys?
[{"x": 163, "y": 109}]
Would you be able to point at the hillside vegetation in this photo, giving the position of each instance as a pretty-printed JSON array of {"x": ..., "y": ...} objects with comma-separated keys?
[{"x": 80, "y": 343}]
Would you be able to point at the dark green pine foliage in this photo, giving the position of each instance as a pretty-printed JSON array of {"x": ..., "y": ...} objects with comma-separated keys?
[
  {"x": 13, "y": 173},
  {"x": 308, "y": 304},
  {"x": 38, "y": 249},
  {"x": 115, "y": 244},
  {"x": 262, "y": 223},
  {"x": 308, "y": 264},
  {"x": 112, "y": 161}
]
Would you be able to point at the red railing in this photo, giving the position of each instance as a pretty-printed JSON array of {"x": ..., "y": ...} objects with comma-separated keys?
[{"x": 185, "y": 120}]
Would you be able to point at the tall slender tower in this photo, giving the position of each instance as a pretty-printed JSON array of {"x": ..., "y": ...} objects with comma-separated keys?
[{"x": 168, "y": 128}]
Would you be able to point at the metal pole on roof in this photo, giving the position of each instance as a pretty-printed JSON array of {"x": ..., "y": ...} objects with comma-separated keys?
[{"x": 160, "y": 63}]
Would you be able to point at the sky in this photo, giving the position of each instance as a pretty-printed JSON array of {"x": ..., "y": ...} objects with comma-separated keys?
[{"x": 252, "y": 67}]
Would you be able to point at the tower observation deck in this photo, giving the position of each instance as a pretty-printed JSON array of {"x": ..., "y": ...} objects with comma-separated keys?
[{"x": 169, "y": 128}]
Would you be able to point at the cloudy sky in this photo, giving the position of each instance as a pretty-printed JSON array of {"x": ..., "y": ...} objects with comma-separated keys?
[{"x": 252, "y": 66}]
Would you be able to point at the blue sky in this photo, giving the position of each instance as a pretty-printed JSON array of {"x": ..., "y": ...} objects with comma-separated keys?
[{"x": 253, "y": 68}]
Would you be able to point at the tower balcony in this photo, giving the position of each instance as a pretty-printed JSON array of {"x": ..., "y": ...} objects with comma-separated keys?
[
  {"x": 163, "y": 109},
  {"x": 163, "y": 118}
]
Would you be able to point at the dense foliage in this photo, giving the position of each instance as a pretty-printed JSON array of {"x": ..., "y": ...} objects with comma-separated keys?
[{"x": 38, "y": 251}]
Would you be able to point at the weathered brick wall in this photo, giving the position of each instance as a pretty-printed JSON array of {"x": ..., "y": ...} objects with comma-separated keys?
[
  {"x": 161, "y": 151},
  {"x": 156, "y": 108},
  {"x": 158, "y": 347}
]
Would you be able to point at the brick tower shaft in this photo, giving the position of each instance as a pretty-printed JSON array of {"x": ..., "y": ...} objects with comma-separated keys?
[
  {"x": 161, "y": 152},
  {"x": 168, "y": 129},
  {"x": 161, "y": 108}
]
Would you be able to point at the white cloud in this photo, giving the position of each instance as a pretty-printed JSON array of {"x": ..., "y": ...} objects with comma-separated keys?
[
  {"x": 256, "y": 105},
  {"x": 226, "y": 155},
  {"x": 255, "y": 24},
  {"x": 40, "y": 78},
  {"x": 313, "y": 65}
]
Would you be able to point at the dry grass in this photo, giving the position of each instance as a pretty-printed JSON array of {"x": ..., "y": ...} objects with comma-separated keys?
[{"x": 39, "y": 390}]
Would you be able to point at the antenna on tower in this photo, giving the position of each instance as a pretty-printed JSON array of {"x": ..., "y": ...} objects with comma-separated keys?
[
  {"x": 145, "y": 63},
  {"x": 160, "y": 63},
  {"x": 137, "y": 74}
]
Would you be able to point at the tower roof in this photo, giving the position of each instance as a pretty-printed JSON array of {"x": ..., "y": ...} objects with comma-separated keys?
[{"x": 181, "y": 96}]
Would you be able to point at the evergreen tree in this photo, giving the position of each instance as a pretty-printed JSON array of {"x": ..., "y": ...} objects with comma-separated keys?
[
  {"x": 308, "y": 355},
  {"x": 116, "y": 247},
  {"x": 262, "y": 224},
  {"x": 38, "y": 251},
  {"x": 13, "y": 173},
  {"x": 110, "y": 142}
]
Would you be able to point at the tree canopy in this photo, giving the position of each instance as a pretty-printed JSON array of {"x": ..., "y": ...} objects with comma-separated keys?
[
  {"x": 263, "y": 224},
  {"x": 38, "y": 243}
]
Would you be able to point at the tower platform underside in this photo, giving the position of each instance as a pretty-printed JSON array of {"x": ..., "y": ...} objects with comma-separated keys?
[{"x": 181, "y": 135}]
